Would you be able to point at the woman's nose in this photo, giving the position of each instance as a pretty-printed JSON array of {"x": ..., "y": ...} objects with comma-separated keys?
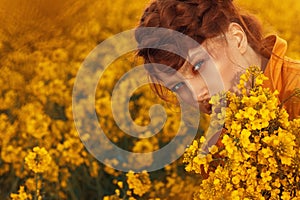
[
  {"x": 197, "y": 89},
  {"x": 203, "y": 96}
]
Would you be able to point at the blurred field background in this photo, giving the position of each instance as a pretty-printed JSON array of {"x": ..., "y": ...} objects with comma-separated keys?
[{"x": 42, "y": 45}]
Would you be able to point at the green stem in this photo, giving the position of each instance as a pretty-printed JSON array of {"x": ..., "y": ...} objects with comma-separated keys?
[{"x": 36, "y": 176}]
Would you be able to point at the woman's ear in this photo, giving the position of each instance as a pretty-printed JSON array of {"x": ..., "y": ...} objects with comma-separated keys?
[{"x": 238, "y": 36}]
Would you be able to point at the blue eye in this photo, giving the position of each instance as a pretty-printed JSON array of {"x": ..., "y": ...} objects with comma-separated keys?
[
  {"x": 177, "y": 86},
  {"x": 198, "y": 65}
]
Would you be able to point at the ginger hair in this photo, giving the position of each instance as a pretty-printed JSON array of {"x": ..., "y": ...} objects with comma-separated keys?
[{"x": 200, "y": 20}]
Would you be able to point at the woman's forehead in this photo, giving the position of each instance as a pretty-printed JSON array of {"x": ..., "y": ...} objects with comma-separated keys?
[
  {"x": 171, "y": 64},
  {"x": 195, "y": 52},
  {"x": 176, "y": 66}
]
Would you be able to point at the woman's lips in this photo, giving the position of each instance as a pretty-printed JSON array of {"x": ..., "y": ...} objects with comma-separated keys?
[
  {"x": 209, "y": 108},
  {"x": 205, "y": 106}
]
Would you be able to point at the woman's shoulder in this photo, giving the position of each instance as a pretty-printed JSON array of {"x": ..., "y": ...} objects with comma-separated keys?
[{"x": 291, "y": 65}]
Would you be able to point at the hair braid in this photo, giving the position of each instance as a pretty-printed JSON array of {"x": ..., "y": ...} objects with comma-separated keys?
[{"x": 198, "y": 19}]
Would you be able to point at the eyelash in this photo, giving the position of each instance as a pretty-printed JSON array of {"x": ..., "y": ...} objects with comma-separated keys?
[
  {"x": 195, "y": 68},
  {"x": 177, "y": 86},
  {"x": 198, "y": 66}
]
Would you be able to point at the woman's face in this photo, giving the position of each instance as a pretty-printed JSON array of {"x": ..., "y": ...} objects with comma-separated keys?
[{"x": 212, "y": 67}]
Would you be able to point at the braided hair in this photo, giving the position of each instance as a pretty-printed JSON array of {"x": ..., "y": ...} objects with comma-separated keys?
[{"x": 198, "y": 19}]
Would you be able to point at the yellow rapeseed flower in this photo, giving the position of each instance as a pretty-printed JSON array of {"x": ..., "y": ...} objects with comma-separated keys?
[
  {"x": 245, "y": 138},
  {"x": 139, "y": 182},
  {"x": 258, "y": 157},
  {"x": 22, "y": 195},
  {"x": 38, "y": 160}
]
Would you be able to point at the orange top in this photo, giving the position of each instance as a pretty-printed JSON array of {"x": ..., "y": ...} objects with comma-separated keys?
[{"x": 283, "y": 74}]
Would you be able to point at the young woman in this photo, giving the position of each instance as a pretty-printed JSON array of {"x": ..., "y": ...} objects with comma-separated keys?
[{"x": 229, "y": 41}]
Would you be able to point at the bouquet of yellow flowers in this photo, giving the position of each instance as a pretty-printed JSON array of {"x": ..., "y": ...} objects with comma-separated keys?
[{"x": 257, "y": 155}]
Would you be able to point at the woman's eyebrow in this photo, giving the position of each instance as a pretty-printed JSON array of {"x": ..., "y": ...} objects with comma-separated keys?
[
  {"x": 172, "y": 81},
  {"x": 170, "y": 85},
  {"x": 196, "y": 52}
]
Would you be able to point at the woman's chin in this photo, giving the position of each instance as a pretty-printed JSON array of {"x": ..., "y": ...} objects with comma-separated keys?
[{"x": 205, "y": 108}]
